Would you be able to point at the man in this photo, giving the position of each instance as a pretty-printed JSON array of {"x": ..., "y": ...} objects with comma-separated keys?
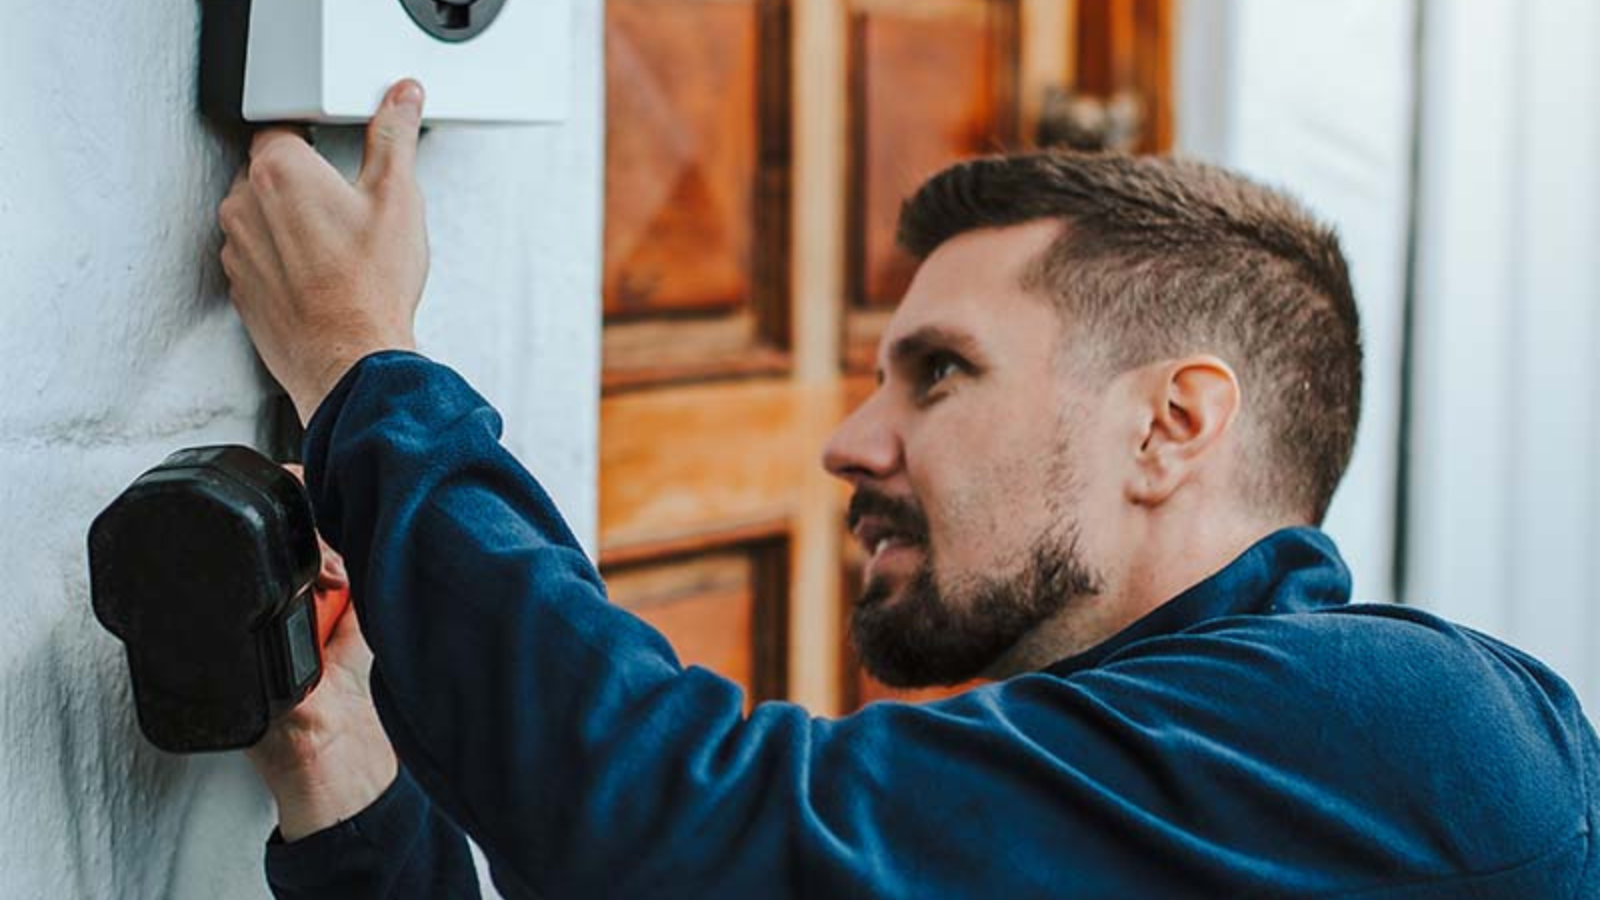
[{"x": 1115, "y": 401}]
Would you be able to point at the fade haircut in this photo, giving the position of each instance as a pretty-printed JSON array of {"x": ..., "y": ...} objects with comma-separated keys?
[{"x": 1159, "y": 258}]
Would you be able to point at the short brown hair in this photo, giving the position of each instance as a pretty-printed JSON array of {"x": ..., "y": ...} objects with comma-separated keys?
[{"x": 1161, "y": 257}]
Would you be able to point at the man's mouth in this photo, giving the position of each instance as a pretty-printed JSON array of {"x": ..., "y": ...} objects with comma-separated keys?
[
  {"x": 886, "y": 528},
  {"x": 884, "y": 543},
  {"x": 875, "y": 534},
  {"x": 888, "y": 542}
]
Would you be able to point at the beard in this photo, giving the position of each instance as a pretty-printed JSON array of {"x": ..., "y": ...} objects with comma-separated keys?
[{"x": 942, "y": 635}]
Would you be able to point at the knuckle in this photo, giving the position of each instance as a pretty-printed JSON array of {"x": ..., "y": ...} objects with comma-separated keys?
[
  {"x": 229, "y": 215},
  {"x": 275, "y": 164},
  {"x": 268, "y": 169}
]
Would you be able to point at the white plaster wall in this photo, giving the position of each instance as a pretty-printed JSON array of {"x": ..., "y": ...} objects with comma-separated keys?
[
  {"x": 117, "y": 345},
  {"x": 1506, "y": 437},
  {"x": 1315, "y": 96}
]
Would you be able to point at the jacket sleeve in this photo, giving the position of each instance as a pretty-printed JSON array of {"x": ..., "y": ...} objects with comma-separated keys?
[
  {"x": 562, "y": 734},
  {"x": 557, "y": 729},
  {"x": 401, "y": 846}
]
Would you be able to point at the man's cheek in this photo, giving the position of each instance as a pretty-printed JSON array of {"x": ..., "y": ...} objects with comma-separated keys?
[
  {"x": 970, "y": 532},
  {"x": 950, "y": 541}
]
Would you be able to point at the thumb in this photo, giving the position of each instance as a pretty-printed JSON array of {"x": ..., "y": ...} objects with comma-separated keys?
[{"x": 392, "y": 135}]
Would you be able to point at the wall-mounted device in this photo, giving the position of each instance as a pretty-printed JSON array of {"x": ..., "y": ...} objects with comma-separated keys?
[{"x": 330, "y": 61}]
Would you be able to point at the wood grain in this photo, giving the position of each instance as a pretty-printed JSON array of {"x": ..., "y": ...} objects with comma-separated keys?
[
  {"x": 1107, "y": 46},
  {"x": 1045, "y": 53},
  {"x": 658, "y": 352},
  {"x": 704, "y": 606},
  {"x": 820, "y": 198},
  {"x": 698, "y": 175},
  {"x": 700, "y": 458},
  {"x": 681, "y": 154},
  {"x": 1154, "y": 75},
  {"x": 929, "y": 85},
  {"x": 724, "y": 610}
]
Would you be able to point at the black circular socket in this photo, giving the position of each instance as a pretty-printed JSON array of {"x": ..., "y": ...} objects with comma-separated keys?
[{"x": 453, "y": 21}]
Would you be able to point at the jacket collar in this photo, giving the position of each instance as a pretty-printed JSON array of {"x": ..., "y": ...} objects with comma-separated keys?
[{"x": 1289, "y": 571}]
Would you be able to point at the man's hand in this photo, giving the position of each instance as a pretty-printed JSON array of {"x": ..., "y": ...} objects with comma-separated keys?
[
  {"x": 324, "y": 272},
  {"x": 328, "y": 758}
]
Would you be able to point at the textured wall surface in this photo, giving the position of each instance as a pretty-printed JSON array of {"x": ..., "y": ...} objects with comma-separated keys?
[
  {"x": 1505, "y": 438},
  {"x": 117, "y": 345}
]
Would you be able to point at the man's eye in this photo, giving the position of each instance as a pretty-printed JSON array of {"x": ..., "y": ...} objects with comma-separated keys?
[{"x": 937, "y": 367}]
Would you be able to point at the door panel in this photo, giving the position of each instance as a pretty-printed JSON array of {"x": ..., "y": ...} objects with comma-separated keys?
[
  {"x": 666, "y": 439},
  {"x": 680, "y": 176},
  {"x": 695, "y": 162},
  {"x": 931, "y": 82},
  {"x": 926, "y": 89},
  {"x": 722, "y": 610}
]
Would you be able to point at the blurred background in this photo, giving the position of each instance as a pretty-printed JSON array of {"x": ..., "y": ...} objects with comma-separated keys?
[
  {"x": 757, "y": 153},
  {"x": 673, "y": 295}
]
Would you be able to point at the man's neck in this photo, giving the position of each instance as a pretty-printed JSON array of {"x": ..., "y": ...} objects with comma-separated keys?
[{"x": 1166, "y": 564}]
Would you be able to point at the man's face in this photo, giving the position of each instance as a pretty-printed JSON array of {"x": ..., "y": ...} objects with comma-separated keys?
[{"x": 972, "y": 467}]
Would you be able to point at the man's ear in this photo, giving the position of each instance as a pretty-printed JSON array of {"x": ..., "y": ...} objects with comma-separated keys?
[{"x": 1190, "y": 406}]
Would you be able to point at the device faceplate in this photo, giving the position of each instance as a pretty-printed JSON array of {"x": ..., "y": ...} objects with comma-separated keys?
[{"x": 331, "y": 61}]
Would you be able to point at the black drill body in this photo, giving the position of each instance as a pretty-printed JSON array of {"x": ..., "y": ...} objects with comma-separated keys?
[{"x": 205, "y": 568}]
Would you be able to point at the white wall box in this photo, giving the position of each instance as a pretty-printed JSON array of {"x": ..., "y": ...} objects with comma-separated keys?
[{"x": 330, "y": 61}]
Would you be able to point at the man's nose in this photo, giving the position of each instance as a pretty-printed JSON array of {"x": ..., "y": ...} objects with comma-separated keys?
[{"x": 865, "y": 445}]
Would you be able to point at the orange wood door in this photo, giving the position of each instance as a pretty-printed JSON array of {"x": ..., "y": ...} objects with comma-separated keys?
[
  {"x": 757, "y": 152},
  {"x": 703, "y": 485}
]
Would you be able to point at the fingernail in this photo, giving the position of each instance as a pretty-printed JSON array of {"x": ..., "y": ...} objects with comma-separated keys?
[{"x": 410, "y": 95}]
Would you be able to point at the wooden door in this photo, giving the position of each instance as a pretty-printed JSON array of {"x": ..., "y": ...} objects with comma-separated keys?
[{"x": 757, "y": 152}]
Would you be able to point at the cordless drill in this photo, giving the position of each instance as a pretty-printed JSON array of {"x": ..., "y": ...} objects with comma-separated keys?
[{"x": 206, "y": 569}]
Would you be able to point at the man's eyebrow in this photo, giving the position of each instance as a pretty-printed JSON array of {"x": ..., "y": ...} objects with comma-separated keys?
[{"x": 932, "y": 337}]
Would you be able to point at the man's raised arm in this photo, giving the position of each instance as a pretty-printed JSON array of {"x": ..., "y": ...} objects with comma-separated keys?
[{"x": 561, "y": 733}]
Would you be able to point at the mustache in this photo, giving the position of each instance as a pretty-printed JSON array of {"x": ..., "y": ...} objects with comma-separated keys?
[{"x": 902, "y": 515}]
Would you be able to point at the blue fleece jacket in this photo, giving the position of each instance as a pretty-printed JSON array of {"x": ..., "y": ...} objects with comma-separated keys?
[{"x": 1256, "y": 736}]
